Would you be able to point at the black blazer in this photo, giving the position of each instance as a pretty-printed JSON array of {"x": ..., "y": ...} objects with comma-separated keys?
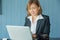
[{"x": 43, "y": 26}]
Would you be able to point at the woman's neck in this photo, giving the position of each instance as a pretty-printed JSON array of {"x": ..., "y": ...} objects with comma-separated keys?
[{"x": 34, "y": 18}]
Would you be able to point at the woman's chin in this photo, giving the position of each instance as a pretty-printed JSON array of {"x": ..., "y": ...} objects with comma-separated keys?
[{"x": 33, "y": 15}]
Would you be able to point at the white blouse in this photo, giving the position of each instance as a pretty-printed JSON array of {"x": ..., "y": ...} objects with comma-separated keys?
[{"x": 33, "y": 25}]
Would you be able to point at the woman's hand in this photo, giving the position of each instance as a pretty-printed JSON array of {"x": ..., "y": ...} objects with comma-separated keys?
[{"x": 34, "y": 36}]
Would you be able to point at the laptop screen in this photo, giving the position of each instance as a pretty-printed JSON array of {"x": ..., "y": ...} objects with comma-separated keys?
[{"x": 19, "y": 32}]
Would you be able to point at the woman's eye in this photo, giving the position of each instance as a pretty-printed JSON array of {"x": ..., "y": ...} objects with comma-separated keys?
[{"x": 33, "y": 8}]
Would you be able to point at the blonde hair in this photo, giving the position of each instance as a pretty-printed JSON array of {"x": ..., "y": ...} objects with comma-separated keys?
[{"x": 35, "y": 2}]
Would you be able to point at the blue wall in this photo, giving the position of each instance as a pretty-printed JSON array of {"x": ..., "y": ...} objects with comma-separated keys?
[{"x": 14, "y": 12}]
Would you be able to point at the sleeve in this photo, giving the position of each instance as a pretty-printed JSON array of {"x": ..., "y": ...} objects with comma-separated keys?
[
  {"x": 45, "y": 34},
  {"x": 46, "y": 31},
  {"x": 47, "y": 26}
]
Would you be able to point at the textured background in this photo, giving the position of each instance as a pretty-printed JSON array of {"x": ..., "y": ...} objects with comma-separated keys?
[{"x": 14, "y": 12}]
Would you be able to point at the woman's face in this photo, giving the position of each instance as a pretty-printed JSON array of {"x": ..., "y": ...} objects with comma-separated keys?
[{"x": 33, "y": 10}]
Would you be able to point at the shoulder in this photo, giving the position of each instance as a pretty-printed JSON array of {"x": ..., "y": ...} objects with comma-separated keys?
[
  {"x": 45, "y": 16},
  {"x": 47, "y": 19},
  {"x": 26, "y": 18}
]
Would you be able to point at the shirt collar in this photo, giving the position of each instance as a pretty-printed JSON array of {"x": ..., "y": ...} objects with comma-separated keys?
[{"x": 38, "y": 17}]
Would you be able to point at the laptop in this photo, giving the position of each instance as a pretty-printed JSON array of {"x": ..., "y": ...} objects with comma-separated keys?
[{"x": 19, "y": 32}]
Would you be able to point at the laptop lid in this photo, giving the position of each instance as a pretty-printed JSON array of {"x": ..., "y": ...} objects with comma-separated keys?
[{"x": 19, "y": 32}]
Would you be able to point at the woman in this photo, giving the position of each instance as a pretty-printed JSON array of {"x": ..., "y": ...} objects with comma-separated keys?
[{"x": 38, "y": 23}]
